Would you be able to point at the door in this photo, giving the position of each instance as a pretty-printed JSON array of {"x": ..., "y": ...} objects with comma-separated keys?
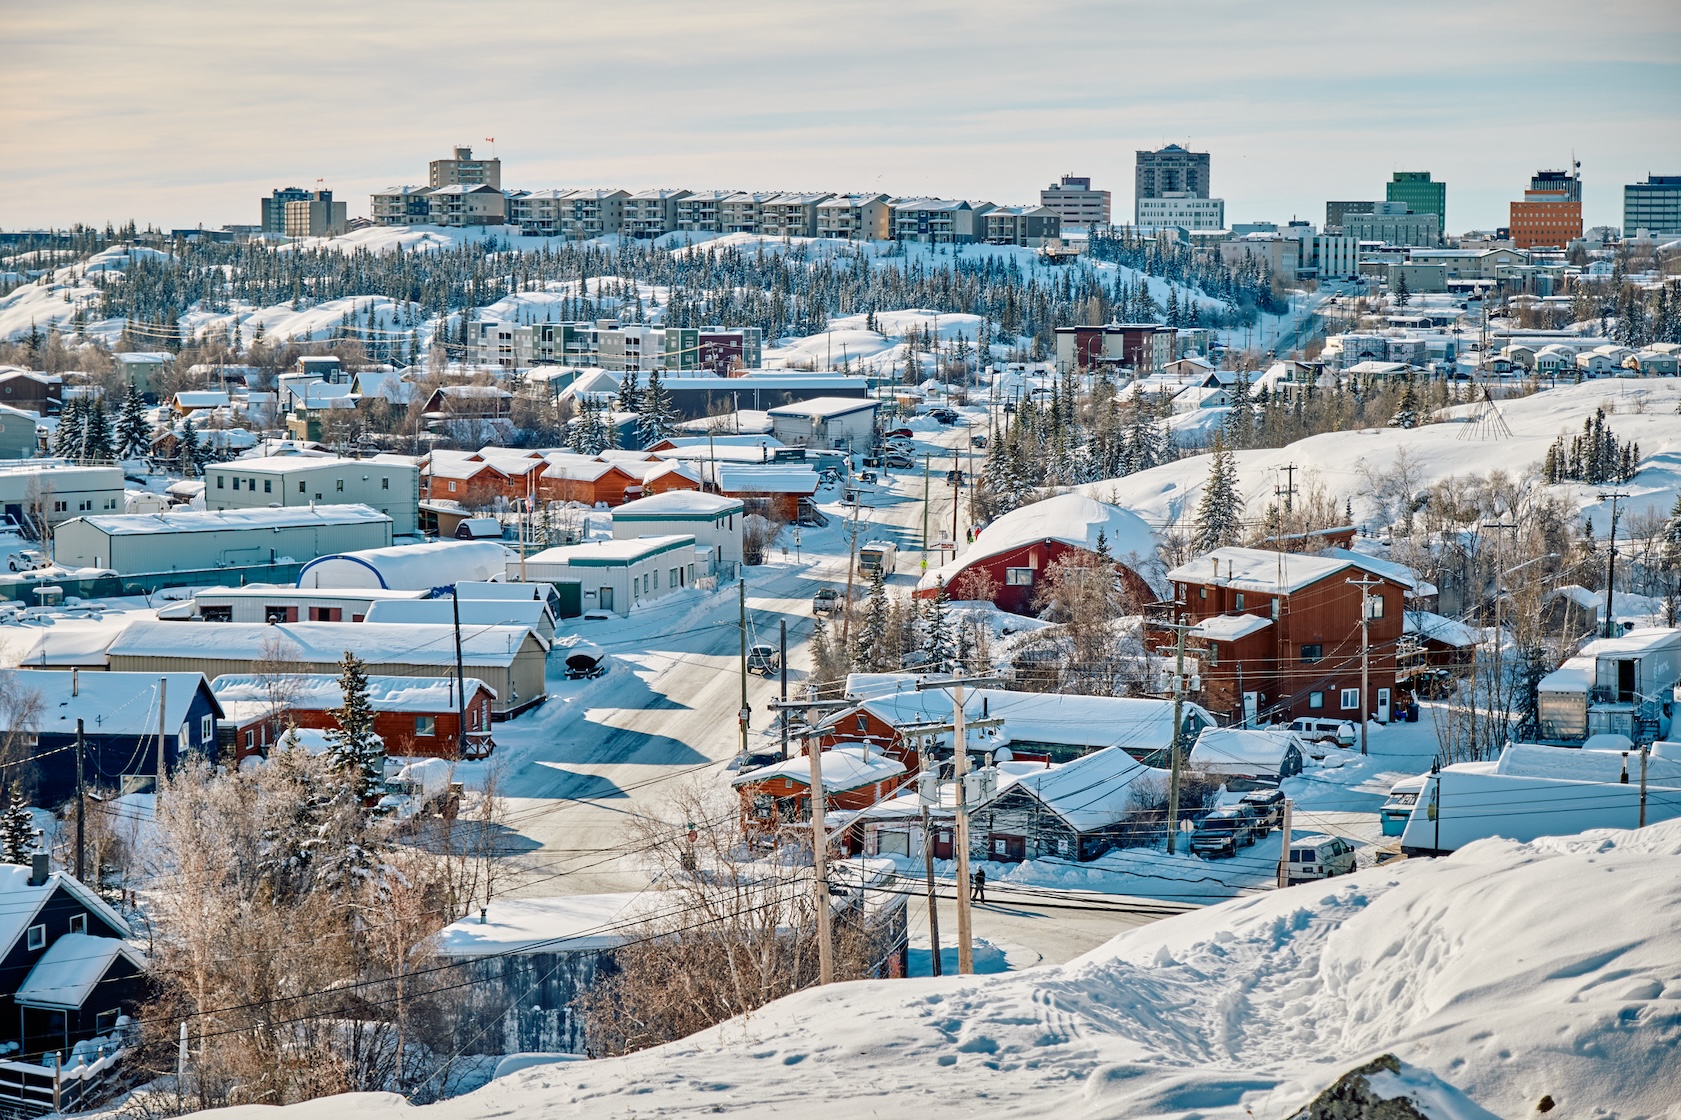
[
  {"x": 606, "y": 599},
  {"x": 571, "y": 596},
  {"x": 1625, "y": 681},
  {"x": 942, "y": 843},
  {"x": 1251, "y": 707},
  {"x": 1008, "y": 849},
  {"x": 1383, "y": 705}
]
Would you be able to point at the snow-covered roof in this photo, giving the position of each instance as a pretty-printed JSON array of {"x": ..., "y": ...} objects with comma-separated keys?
[
  {"x": 203, "y": 398},
  {"x": 678, "y": 502},
  {"x": 1073, "y": 519},
  {"x": 1230, "y": 627},
  {"x": 766, "y": 478},
  {"x": 530, "y": 613},
  {"x": 1575, "y": 675},
  {"x": 1259, "y": 569},
  {"x": 1236, "y": 750},
  {"x": 71, "y": 968},
  {"x": 420, "y": 566},
  {"x": 1091, "y": 792},
  {"x": 212, "y": 521},
  {"x": 1644, "y": 639},
  {"x": 825, "y": 407},
  {"x": 1439, "y": 628},
  {"x": 106, "y": 703},
  {"x": 575, "y": 923},
  {"x": 320, "y": 642},
  {"x": 844, "y": 768},
  {"x": 20, "y": 902},
  {"x": 612, "y": 552},
  {"x": 321, "y": 691},
  {"x": 1585, "y": 765}
]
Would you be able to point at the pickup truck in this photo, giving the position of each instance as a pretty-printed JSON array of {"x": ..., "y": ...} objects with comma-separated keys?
[
  {"x": 826, "y": 601},
  {"x": 1223, "y": 832},
  {"x": 421, "y": 789}
]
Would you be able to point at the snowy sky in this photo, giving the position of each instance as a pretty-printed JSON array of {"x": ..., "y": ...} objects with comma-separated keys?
[{"x": 185, "y": 111}]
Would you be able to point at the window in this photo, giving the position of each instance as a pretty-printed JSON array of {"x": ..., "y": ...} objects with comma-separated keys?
[
  {"x": 38, "y": 937},
  {"x": 385, "y": 484},
  {"x": 1202, "y": 592},
  {"x": 1350, "y": 699},
  {"x": 235, "y": 482},
  {"x": 452, "y": 487},
  {"x": 250, "y": 740},
  {"x": 1240, "y": 600},
  {"x": 251, "y": 485},
  {"x": 1316, "y": 699},
  {"x": 78, "y": 923},
  {"x": 1312, "y": 653},
  {"x": 1018, "y": 577},
  {"x": 300, "y": 487},
  {"x": 1374, "y": 606},
  {"x": 340, "y": 485},
  {"x": 106, "y": 1021},
  {"x": 206, "y": 728},
  {"x": 676, "y": 577},
  {"x": 425, "y": 725},
  {"x": 219, "y": 482},
  {"x": 85, "y": 505},
  {"x": 268, "y": 485},
  {"x": 61, "y": 507}
]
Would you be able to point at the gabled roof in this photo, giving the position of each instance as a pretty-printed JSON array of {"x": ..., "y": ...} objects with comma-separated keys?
[
  {"x": 1072, "y": 519},
  {"x": 1092, "y": 792},
  {"x": 20, "y": 902},
  {"x": 106, "y": 703},
  {"x": 1236, "y": 750},
  {"x": 1273, "y": 573},
  {"x": 844, "y": 768},
  {"x": 321, "y": 691},
  {"x": 71, "y": 968}
]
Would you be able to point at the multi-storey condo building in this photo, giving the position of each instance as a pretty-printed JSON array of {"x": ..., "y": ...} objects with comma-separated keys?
[
  {"x": 702, "y": 211},
  {"x": 1393, "y": 224},
  {"x": 592, "y": 213},
  {"x": 1074, "y": 201},
  {"x": 539, "y": 213},
  {"x": 1032, "y": 226},
  {"x": 791, "y": 215},
  {"x": 608, "y": 344},
  {"x": 855, "y": 217},
  {"x": 1178, "y": 208},
  {"x": 464, "y": 171},
  {"x": 650, "y": 214},
  {"x": 1550, "y": 215},
  {"x": 743, "y": 211},
  {"x": 402, "y": 206},
  {"x": 1653, "y": 206},
  {"x": 1420, "y": 193},
  {"x": 274, "y": 207},
  {"x": 939, "y": 221},
  {"x": 1171, "y": 169},
  {"x": 460, "y": 206}
]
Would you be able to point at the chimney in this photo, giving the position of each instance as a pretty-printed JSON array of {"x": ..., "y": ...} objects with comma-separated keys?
[
  {"x": 75, "y": 683},
  {"x": 40, "y": 869}
]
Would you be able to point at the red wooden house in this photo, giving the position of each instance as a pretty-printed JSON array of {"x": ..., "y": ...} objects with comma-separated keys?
[
  {"x": 1010, "y": 559},
  {"x": 414, "y": 715},
  {"x": 577, "y": 478},
  {"x": 855, "y": 776},
  {"x": 471, "y": 482},
  {"x": 1278, "y": 634}
]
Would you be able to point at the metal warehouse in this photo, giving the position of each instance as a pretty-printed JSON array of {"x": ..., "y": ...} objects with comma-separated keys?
[{"x": 196, "y": 539}]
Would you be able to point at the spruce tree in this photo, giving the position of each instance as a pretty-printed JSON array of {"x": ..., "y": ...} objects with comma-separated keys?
[
  {"x": 867, "y": 653},
  {"x": 134, "y": 431},
  {"x": 98, "y": 439},
  {"x": 1219, "y": 516},
  {"x": 190, "y": 453},
  {"x": 67, "y": 439},
  {"x": 936, "y": 632},
  {"x": 17, "y": 829},
  {"x": 1403, "y": 295},
  {"x": 357, "y": 752},
  {"x": 657, "y": 419},
  {"x": 1406, "y": 416},
  {"x": 630, "y": 398}
]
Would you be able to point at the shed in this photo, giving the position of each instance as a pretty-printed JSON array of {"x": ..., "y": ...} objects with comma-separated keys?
[
  {"x": 412, "y": 567},
  {"x": 1247, "y": 758}
]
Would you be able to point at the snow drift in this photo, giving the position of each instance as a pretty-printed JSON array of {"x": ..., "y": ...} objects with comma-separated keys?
[{"x": 1508, "y": 971}]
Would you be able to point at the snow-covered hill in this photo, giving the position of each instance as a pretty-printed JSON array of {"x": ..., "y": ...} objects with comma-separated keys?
[
  {"x": 1510, "y": 971},
  {"x": 1642, "y": 410}
]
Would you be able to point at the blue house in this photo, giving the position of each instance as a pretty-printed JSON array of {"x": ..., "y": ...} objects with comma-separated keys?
[
  {"x": 120, "y": 726},
  {"x": 67, "y": 971}
]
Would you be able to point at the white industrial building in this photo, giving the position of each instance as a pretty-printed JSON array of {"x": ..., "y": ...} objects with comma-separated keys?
[
  {"x": 53, "y": 491},
  {"x": 417, "y": 567},
  {"x": 388, "y": 483},
  {"x": 825, "y": 423},
  {"x": 188, "y": 540},
  {"x": 615, "y": 576},
  {"x": 712, "y": 519}
]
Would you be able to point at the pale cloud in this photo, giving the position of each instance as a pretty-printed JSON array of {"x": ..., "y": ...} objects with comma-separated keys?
[{"x": 187, "y": 111}]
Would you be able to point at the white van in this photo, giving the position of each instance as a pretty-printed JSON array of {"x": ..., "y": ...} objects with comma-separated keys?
[{"x": 1319, "y": 857}]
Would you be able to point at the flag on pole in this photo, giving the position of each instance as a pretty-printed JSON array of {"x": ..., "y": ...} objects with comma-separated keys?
[{"x": 490, "y": 139}]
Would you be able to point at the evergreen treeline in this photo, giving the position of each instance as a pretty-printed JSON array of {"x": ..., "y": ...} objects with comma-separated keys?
[{"x": 1595, "y": 456}]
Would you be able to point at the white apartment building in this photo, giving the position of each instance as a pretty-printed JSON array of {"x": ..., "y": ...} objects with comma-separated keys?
[
  {"x": 702, "y": 211},
  {"x": 388, "y": 483},
  {"x": 539, "y": 213},
  {"x": 651, "y": 214},
  {"x": 460, "y": 206},
  {"x": 462, "y": 170},
  {"x": 791, "y": 215},
  {"x": 855, "y": 217},
  {"x": 743, "y": 212},
  {"x": 592, "y": 213},
  {"x": 1337, "y": 257},
  {"x": 1183, "y": 209},
  {"x": 402, "y": 206},
  {"x": 1074, "y": 201},
  {"x": 939, "y": 221}
]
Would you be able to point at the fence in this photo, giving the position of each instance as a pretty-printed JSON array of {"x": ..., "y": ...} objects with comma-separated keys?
[
  {"x": 31, "y": 1090},
  {"x": 144, "y": 583}
]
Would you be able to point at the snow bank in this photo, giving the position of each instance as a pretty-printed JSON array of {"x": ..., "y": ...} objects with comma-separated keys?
[{"x": 1500, "y": 972}]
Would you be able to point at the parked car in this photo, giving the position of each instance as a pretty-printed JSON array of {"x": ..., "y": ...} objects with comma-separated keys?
[
  {"x": 1223, "y": 832},
  {"x": 899, "y": 461},
  {"x": 1316, "y": 730},
  {"x": 763, "y": 659},
  {"x": 826, "y": 601},
  {"x": 977, "y": 440},
  {"x": 26, "y": 560},
  {"x": 954, "y": 477},
  {"x": 1319, "y": 857},
  {"x": 900, "y": 433},
  {"x": 1268, "y": 807}
]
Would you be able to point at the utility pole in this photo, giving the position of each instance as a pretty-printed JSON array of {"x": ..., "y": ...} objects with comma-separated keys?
[
  {"x": 925, "y": 512},
  {"x": 928, "y": 868},
  {"x": 851, "y": 571},
  {"x": 782, "y": 665},
  {"x": 1645, "y": 748},
  {"x": 82, "y": 806},
  {"x": 163, "y": 695},
  {"x": 460, "y": 672},
  {"x": 1363, "y": 583},
  {"x": 960, "y": 769},
  {"x": 1287, "y": 491},
  {"x": 1284, "y": 848},
  {"x": 745, "y": 713},
  {"x": 1179, "y": 626},
  {"x": 819, "y": 866},
  {"x": 1611, "y": 559},
  {"x": 956, "y": 485}
]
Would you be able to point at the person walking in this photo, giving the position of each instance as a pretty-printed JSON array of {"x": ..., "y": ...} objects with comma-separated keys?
[{"x": 977, "y": 891}]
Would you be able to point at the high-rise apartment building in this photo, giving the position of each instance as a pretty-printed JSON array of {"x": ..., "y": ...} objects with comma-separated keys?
[
  {"x": 274, "y": 207},
  {"x": 1074, "y": 201},
  {"x": 1171, "y": 169},
  {"x": 1550, "y": 215},
  {"x": 315, "y": 215},
  {"x": 1334, "y": 212},
  {"x": 1653, "y": 206},
  {"x": 465, "y": 171},
  {"x": 1422, "y": 194}
]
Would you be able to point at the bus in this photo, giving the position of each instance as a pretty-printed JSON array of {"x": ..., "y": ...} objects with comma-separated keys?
[{"x": 877, "y": 556}]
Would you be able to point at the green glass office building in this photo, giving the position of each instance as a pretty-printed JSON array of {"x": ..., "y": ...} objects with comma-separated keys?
[{"x": 1422, "y": 194}]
